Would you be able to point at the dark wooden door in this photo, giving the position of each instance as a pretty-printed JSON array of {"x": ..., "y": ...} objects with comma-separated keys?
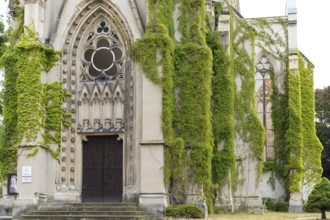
[{"x": 102, "y": 169}]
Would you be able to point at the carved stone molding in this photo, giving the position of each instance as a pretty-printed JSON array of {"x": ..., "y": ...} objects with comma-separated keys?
[{"x": 120, "y": 137}]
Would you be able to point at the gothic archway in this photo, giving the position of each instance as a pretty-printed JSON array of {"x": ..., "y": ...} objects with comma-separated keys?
[
  {"x": 97, "y": 71},
  {"x": 264, "y": 105}
]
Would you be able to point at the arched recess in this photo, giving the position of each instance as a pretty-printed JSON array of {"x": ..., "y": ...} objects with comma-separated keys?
[
  {"x": 264, "y": 76},
  {"x": 97, "y": 70}
]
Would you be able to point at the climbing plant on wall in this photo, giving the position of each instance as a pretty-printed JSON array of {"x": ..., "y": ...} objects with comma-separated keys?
[
  {"x": 193, "y": 67},
  {"x": 224, "y": 159},
  {"x": 155, "y": 50},
  {"x": 273, "y": 42},
  {"x": 31, "y": 109},
  {"x": 8, "y": 61},
  {"x": 32, "y": 58},
  {"x": 195, "y": 71},
  {"x": 3, "y": 38},
  {"x": 312, "y": 148},
  {"x": 54, "y": 116},
  {"x": 293, "y": 136},
  {"x": 247, "y": 125}
]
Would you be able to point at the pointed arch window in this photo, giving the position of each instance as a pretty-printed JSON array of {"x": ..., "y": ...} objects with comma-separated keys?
[
  {"x": 264, "y": 105},
  {"x": 101, "y": 105}
]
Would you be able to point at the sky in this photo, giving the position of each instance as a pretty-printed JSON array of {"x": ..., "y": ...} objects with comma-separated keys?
[
  {"x": 313, "y": 29},
  {"x": 3, "y": 6}
]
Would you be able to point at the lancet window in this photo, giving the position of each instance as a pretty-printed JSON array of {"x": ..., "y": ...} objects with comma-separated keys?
[{"x": 264, "y": 105}]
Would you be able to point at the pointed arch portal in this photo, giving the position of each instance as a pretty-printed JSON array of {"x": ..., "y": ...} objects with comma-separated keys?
[{"x": 97, "y": 150}]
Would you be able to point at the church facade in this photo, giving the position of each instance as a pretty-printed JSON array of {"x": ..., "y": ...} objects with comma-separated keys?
[{"x": 167, "y": 102}]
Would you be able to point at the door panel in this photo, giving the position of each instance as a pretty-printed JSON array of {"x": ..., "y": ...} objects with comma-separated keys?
[
  {"x": 113, "y": 170},
  {"x": 102, "y": 169}
]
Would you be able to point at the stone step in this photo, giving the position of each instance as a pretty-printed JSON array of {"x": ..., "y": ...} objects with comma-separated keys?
[
  {"x": 5, "y": 217},
  {"x": 86, "y": 208},
  {"x": 86, "y": 217},
  {"x": 89, "y": 212},
  {"x": 90, "y": 204},
  {"x": 97, "y": 203}
]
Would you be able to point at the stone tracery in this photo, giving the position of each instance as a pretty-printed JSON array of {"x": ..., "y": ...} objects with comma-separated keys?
[
  {"x": 102, "y": 72},
  {"x": 103, "y": 56},
  {"x": 264, "y": 91}
]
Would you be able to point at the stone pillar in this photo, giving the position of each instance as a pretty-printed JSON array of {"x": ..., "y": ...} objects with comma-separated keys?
[
  {"x": 34, "y": 15},
  {"x": 152, "y": 188},
  {"x": 152, "y": 195},
  {"x": 31, "y": 172},
  {"x": 295, "y": 202},
  {"x": 31, "y": 177}
]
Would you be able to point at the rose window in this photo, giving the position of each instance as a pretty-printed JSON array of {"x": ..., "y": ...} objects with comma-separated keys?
[{"x": 103, "y": 55}]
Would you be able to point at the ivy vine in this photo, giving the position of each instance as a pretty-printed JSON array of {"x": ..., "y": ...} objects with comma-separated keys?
[
  {"x": 10, "y": 117},
  {"x": 312, "y": 147},
  {"x": 193, "y": 67},
  {"x": 154, "y": 50},
  {"x": 55, "y": 117},
  {"x": 247, "y": 126},
  {"x": 31, "y": 109},
  {"x": 224, "y": 159}
]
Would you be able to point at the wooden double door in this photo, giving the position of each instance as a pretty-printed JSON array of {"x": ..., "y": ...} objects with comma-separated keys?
[{"x": 102, "y": 169}]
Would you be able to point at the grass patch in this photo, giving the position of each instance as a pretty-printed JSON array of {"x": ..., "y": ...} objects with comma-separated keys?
[{"x": 267, "y": 216}]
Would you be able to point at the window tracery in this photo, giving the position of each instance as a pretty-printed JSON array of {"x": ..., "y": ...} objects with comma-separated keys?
[
  {"x": 102, "y": 80},
  {"x": 103, "y": 55},
  {"x": 264, "y": 105}
]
